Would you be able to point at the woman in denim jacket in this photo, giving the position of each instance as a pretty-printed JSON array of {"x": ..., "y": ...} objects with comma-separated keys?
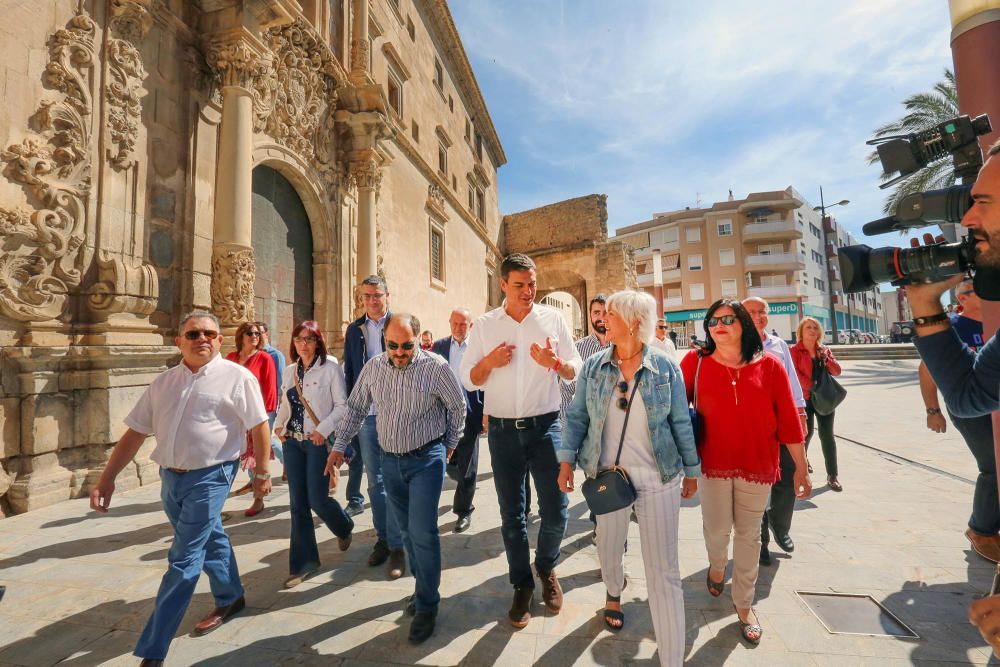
[{"x": 658, "y": 445}]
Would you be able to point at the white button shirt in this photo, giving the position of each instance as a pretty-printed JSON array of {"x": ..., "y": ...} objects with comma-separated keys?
[
  {"x": 522, "y": 388},
  {"x": 666, "y": 345},
  {"x": 199, "y": 419}
]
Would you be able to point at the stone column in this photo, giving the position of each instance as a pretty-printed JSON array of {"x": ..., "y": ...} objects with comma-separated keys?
[
  {"x": 360, "y": 48},
  {"x": 238, "y": 61},
  {"x": 366, "y": 177}
]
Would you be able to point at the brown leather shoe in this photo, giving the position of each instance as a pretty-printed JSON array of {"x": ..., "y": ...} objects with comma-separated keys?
[
  {"x": 150, "y": 662},
  {"x": 987, "y": 546},
  {"x": 397, "y": 563},
  {"x": 218, "y": 616},
  {"x": 834, "y": 483},
  {"x": 552, "y": 594},
  {"x": 520, "y": 608}
]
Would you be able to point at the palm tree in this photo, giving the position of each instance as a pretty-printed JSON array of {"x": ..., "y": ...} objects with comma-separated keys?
[{"x": 925, "y": 110}]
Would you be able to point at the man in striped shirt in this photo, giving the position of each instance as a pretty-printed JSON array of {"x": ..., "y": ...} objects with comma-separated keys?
[
  {"x": 421, "y": 416},
  {"x": 587, "y": 347}
]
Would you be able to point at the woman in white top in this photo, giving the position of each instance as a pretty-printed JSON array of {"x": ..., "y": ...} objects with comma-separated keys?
[
  {"x": 631, "y": 396},
  {"x": 313, "y": 401}
]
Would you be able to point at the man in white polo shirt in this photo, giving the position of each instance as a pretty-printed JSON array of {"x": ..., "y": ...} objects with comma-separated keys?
[
  {"x": 200, "y": 411},
  {"x": 517, "y": 354}
]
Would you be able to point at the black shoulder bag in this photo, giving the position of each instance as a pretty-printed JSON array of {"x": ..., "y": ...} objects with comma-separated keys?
[
  {"x": 826, "y": 393},
  {"x": 612, "y": 490}
]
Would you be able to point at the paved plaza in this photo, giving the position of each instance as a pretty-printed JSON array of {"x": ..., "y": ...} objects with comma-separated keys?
[{"x": 80, "y": 586}]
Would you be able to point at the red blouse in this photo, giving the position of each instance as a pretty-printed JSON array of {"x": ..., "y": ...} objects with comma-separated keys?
[
  {"x": 262, "y": 366},
  {"x": 741, "y": 425},
  {"x": 803, "y": 362}
]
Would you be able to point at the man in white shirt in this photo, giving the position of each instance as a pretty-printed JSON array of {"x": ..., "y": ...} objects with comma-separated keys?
[
  {"x": 517, "y": 354},
  {"x": 660, "y": 340},
  {"x": 200, "y": 412},
  {"x": 779, "y": 513}
]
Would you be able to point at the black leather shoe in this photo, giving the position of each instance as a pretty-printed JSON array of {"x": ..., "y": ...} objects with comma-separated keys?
[
  {"x": 422, "y": 626},
  {"x": 463, "y": 523},
  {"x": 411, "y": 605},
  {"x": 149, "y": 662},
  {"x": 765, "y": 556},
  {"x": 379, "y": 554},
  {"x": 785, "y": 542}
]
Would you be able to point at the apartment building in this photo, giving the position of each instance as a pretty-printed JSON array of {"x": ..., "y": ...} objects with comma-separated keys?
[{"x": 769, "y": 244}]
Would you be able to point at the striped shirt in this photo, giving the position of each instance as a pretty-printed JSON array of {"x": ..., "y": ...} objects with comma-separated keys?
[
  {"x": 415, "y": 405},
  {"x": 587, "y": 347}
]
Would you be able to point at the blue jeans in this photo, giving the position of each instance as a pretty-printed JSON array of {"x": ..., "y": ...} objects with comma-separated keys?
[
  {"x": 513, "y": 453},
  {"x": 193, "y": 504},
  {"x": 413, "y": 487},
  {"x": 386, "y": 524},
  {"x": 355, "y": 469},
  {"x": 978, "y": 435},
  {"x": 308, "y": 492}
]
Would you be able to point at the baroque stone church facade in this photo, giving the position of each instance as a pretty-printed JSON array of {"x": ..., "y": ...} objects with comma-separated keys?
[{"x": 251, "y": 157}]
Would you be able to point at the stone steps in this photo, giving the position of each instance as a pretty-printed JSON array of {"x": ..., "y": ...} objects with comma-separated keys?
[{"x": 887, "y": 351}]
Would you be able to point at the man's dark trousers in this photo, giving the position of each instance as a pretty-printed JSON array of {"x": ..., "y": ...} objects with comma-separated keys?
[
  {"x": 464, "y": 464},
  {"x": 779, "y": 514}
]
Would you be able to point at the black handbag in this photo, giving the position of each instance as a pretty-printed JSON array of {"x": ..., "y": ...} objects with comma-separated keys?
[
  {"x": 612, "y": 490},
  {"x": 693, "y": 411},
  {"x": 826, "y": 393}
]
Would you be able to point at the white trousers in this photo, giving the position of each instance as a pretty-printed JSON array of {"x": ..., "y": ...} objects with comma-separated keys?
[{"x": 657, "y": 507}]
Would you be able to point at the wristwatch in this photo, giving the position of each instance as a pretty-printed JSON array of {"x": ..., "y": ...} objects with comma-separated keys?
[
  {"x": 933, "y": 411},
  {"x": 929, "y": 320},
  {"x": 262, "y": 476}
]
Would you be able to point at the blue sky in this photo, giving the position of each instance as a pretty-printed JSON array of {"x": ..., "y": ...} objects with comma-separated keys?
[{"x": 660, "y": 104}]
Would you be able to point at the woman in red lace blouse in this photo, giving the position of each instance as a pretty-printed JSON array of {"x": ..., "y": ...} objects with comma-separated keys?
[{"x": 745, "y": 410}]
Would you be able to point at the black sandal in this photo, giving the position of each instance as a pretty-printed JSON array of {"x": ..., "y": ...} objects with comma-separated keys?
[
  {"x": 612, "y": 614},
  {"x": 715, "y": 587}
]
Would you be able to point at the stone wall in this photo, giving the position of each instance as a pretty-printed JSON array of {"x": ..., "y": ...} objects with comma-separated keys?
[{"x": 565, "y": 223}]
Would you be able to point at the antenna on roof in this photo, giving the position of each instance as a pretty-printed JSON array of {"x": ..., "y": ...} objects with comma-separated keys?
[{"x": 731, "y": 197}]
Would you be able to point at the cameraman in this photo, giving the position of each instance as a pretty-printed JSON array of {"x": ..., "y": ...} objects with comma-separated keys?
[
  {"x": 969, "y": 381},
  {"x": 977, "y": 432}
]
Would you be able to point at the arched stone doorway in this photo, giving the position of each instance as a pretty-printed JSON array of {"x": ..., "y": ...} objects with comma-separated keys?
[
  {"x": 283, "y": 247},
  {"x": 569, "y": 307}
]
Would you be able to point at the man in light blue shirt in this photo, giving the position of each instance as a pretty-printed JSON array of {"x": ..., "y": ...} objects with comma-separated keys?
[
  {"x": 779, "y": 514},
  {"x": 279, "y": 372}
]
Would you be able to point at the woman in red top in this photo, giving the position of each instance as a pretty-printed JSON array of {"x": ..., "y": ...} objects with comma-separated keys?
[
  {"x": 809, "y": 348},
  {"x": 251, "y": 355},
  {"x": 745, "y": 410}
]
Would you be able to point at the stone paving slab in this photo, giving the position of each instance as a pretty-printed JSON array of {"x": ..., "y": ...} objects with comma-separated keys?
[{"x": 80, "y": 586}]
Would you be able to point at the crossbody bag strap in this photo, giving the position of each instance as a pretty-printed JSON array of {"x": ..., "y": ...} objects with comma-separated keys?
[
  {"x": 628, "y": 409},
  {"x": 302, "y": 397},
  {"x": 697, "y": 372}
]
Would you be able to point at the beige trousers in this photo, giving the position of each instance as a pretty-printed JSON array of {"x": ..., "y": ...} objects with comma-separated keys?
[{"x": 733, "y": 507}]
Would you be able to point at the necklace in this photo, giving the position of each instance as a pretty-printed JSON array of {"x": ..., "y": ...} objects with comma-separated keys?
[
  {"x": 621, "y": 358},
  {"x": 734, "y": 378}
]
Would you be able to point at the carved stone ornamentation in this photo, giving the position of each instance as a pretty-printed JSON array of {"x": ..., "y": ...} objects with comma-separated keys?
[
  {"x": 40, "y": 262},
  {"x": 124, "y": 101},
  {"x": 124, "y": 286},
  {"x": 131, "y": 19},
  {"x": 360, "y": 55},
  {"x": 237, "y": 63},
  {"x": 366, "y": 175},
  {"x": 435, "y": 202},
  {"x": 233, "y": 270}
]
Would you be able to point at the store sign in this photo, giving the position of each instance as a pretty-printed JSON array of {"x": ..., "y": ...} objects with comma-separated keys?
[{"x": 782, "y": 308}]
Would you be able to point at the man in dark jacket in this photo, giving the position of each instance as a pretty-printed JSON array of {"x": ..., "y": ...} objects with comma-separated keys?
[
  {"x": 464, "y": 465},
  {"x": 364, "y": 340}
]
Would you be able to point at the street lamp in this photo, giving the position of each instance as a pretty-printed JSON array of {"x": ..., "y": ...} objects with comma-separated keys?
[{"x": 829, "y": 277}]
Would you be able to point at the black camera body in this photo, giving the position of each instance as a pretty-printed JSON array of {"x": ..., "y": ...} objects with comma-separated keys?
[{"x": 862, "y": 267}]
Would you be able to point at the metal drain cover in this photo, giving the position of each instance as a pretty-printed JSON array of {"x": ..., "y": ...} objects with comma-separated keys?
[{"x": 854, "y": 614}]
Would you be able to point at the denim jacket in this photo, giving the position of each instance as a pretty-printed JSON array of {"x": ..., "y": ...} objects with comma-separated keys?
[{"x": 662, "y": 387}]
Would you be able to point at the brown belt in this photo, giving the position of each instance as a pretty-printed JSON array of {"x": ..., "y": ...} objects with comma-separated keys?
[{"x": 179, "y": 471}]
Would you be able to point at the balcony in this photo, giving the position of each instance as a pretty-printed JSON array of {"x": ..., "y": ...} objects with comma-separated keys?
[
  {"x": 831, "y": 250},
  {"x": 777, "y": 291},
  {"x": 672, "y": 276},
  {"x": 664, "y": 248},
  {"x": 784, "y": 261},
  {"x": 780, "y": 229},
  {"x": 673, "y": 302},
  {"x": 829, "y": 225}
]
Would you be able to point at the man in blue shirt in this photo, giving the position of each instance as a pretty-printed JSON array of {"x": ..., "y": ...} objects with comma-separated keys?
[
  {"x": 279, "y": 372},
  {"x": 969, "y": 381},
  {"x": 365, "y": 340}
]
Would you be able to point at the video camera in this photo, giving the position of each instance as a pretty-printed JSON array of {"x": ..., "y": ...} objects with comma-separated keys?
[{"x": 862, "y": 267}]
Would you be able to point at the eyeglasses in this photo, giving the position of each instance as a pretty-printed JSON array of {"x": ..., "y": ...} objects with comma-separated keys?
[
  {"x": 252, "y": 334},
  {"x": 409, "y": 345},
  {"x": 661, "y": 326},
  {"x": 195, "y": 334},
  {"x": 305, "y": 339},
  {"x": 623, "y": 400},
  {"x": 725, "y": 319},
  {"x": 373, "y": 297}
]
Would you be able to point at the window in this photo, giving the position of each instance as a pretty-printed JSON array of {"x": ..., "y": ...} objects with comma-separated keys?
[
  {"x": 480, "y": 205},
  {"x": 410, "y": 29},
  {"x": 814, "y": 230},
  {"x": 696, "y": 291},
  {"x": 479, "y": 146},
  {"x": 415, "y": 131},
  {"x": 468, "y": 130},
  {"x": 770, "y": 249},
  {"x": 442, "y": 158},
  {"x": 724, "y": 227},
  {"x": 454, "y": 183},
  {"x": 694, "y": 262},
  {"x": 394, "y": 91},
  {"x": 674, "y": 293},
  {"x": 693, "y": 234},
  {"x": 451, "y": 103},
  {"x": 663, "y": 236},
  {"x": 437, "y": 254},
  {"x": 729, "y": 287},
  {"x": 472, "y": 199},
  {"x": 438, "y": 75},
  {"x": 727, "y": 257}
]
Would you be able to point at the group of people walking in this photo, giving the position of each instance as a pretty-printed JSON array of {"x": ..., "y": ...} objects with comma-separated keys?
[{"x": 728, "y": 423}]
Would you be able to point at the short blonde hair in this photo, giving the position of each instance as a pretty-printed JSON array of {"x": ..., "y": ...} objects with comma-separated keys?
[
  {"x": 633, "y": 306},
  {"x": 802, "y": 324}
]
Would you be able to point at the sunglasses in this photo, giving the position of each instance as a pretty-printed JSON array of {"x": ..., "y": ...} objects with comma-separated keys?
[
  {"x": 623, "y": 399},
  {"x": 728, "y": 320},
  {"x": 305, "y": 339},
  {"x": 373, "y": 297},
  {"x": 660, "y": 326},
  {"x": 409, "y": 345},
  {"x": 195, "y": 334},
  {"x": 252, "y": 334}
]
